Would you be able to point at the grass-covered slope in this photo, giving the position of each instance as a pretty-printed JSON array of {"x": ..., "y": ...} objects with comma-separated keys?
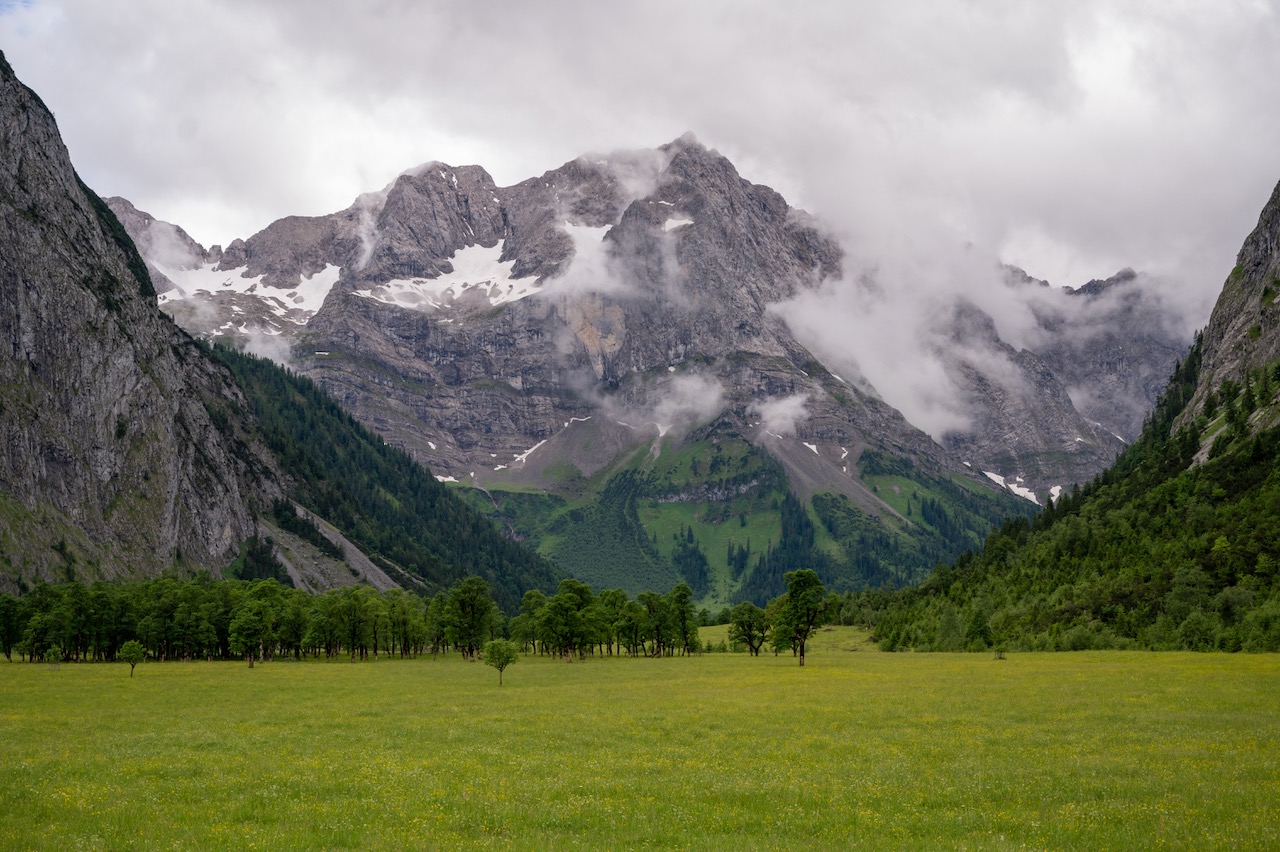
[
  {"x": 412, "y": 526},
  {"x": 717, "y": 512},
  {"x": 1175, "y": 546}
]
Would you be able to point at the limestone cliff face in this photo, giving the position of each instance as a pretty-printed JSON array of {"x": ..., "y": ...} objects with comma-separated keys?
[
  {"x": 1115, "y": 354},
  {"x": 158, "y": 241},
  {"x": 122, "y": 447},
  {"x": 1058, "y": 410},
  {"x": 469, "y": 323},
  {"x": 1244, "y": 329},
  {"x": 646, "y": 280},
  {"x": 1025, "y": 427}
]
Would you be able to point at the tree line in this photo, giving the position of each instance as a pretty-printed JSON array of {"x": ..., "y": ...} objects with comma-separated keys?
[{"x": 208, "y": 619}]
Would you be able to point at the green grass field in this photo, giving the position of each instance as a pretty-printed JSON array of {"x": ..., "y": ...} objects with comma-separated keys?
[{"x": 858, "y": 749}]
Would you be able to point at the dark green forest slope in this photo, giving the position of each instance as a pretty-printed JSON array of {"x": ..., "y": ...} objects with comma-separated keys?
[
  {"x": 1167, "y": 549},
  {"x": 391, "y": 507}
]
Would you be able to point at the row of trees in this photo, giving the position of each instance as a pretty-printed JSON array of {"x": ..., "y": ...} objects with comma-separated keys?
[
  {"x": 577, "y": 621},
  {"x": 223, "y": 619},
  {"x": 203, "y": 618}
]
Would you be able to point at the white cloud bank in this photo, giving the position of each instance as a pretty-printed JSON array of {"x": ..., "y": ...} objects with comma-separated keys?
[{"x": 1072, "y": 139}]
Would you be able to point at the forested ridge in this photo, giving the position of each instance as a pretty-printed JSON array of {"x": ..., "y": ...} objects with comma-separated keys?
[
  {"x": 381, "y": 499},
  {"x": 1163, "y": 550}
]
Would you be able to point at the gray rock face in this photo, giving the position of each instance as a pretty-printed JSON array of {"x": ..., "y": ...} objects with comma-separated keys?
[
  {"x": 158, "y": 241},
  {"x": 1115, "y": 355},
  {"x": 122, "y": 446},
  {"x": 470, "y": 322},
  {"x": 1244, "y": 329},
  {"x": 1026, "y": 428},
  {"x": 1060, "y": 413}
]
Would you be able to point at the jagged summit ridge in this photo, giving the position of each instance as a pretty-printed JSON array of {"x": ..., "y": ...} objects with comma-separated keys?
[{"x": 604, "y": 279}]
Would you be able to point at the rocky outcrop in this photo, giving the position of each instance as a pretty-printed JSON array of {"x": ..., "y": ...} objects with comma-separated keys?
[
  {"x": 1243, "y": 333},
  {"x": 158, "y": 242},
  {"x": 1025, "y": 427},
  {"x": 652, "y": 274},
  {"x": 1115, "y": 352},
  {"x": 123, "y": 448},
  {"x": 473, "y": 324}
]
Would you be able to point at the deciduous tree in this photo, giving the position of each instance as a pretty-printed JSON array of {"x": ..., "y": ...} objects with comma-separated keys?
[
  {"x": 131, "y": 652},
  {"x": 806, "y": 602},
  {"x": 749, "y": 625},
  {"x": 500, "y": 653}
]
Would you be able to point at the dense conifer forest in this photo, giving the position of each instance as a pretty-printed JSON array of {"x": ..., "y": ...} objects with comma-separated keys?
[
  {"x": 387, "y": 504},
  {"x": 1164, "y": 550}
]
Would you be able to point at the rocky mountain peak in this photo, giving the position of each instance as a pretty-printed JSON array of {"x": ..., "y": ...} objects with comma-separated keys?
[
  {"x": 608, "y": 276},
  {"x": 1097, "y": 287}
]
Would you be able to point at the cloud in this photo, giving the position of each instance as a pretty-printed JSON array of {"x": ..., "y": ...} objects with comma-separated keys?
[
  {"x": 688, "y": 401},
  {"x": 1073, "y": 139},
  {"x": 274, "y": 347},
  {"x": 675, "y": 404},
  {"x": 779, "y": 414},
  {"x": 637, "y": 170},
  {"x": 591, "y": 269},
  {"x": 935, "y": 138}
]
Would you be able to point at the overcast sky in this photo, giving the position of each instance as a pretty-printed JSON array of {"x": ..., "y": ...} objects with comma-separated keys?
[{"x": 1070, "y": 138}]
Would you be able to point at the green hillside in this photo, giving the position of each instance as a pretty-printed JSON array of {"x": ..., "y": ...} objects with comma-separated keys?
[
  {"x": 717, "y": 512},
  {"x": 1173, "y": 547},
  {"x": 391, "y": 507}
]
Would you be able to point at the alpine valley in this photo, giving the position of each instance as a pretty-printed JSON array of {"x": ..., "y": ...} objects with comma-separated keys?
[{"x": 593, "y": 358}]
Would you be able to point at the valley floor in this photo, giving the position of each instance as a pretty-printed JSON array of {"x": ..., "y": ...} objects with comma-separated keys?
[{"x": 858, "y": 749}]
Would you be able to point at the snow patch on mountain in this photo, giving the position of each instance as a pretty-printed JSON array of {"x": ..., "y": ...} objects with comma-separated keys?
[
  {"x": 206, "y": 280},
  {"x": 476, "y": 269},
  {"x": 1014, "y": 485}
]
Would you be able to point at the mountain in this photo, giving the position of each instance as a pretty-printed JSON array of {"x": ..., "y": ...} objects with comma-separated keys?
[
  {"x": 594, "y": 351},
  {"x": 1173, "y": 546},
  {"x": 613, "y": 318},
  {"x": 124, "y": 450},
  {"x": 1058, "y": 410},
  {"x": 1050, "y": 412},
  {"x": 1242, "y": 336},
  {"x": 131, "y": 449}
]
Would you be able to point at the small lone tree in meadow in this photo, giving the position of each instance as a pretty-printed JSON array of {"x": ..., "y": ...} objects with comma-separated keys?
[
  {"x": 500, "y": 653},
  {"x": 131, "y": 652}
]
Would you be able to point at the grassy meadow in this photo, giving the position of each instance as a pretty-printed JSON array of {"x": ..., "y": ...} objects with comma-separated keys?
[{"x": 858, "y": 749}]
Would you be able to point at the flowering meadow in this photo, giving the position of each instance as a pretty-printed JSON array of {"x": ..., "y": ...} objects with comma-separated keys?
[{"x": 858, "y": 749}]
